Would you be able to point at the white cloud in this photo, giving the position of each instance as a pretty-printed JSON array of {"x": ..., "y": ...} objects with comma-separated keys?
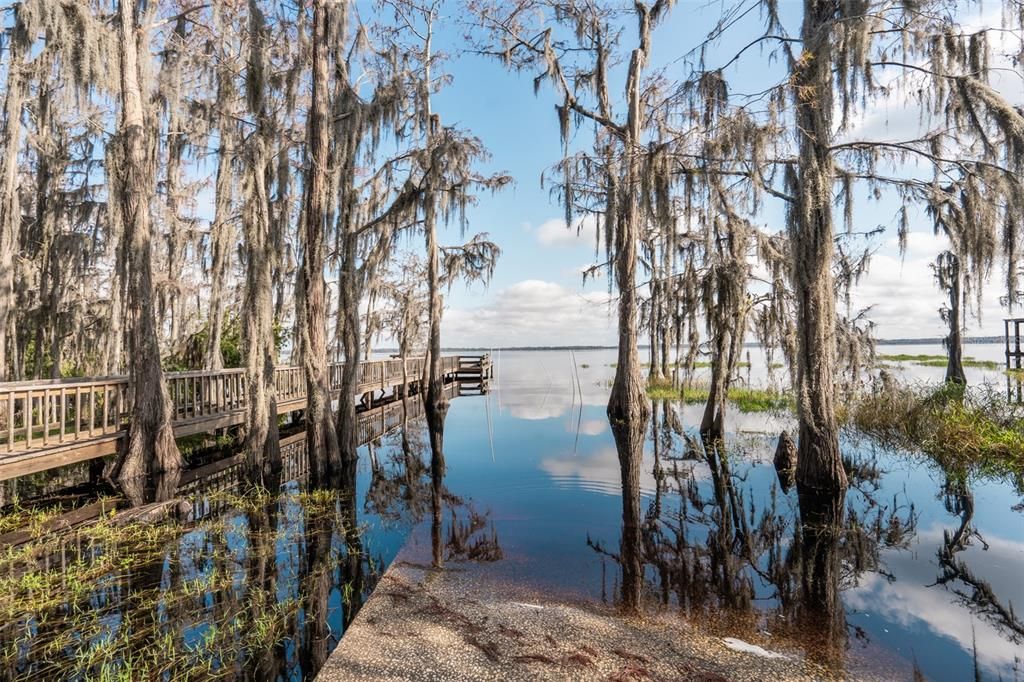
[
  {"x": 915, "y": 601},
  {"x": 597, "y": 471},
  {"x": 533, "y": 313},
  {"x": 905, "y": 298},
  {"x": 554, "y": 232}
]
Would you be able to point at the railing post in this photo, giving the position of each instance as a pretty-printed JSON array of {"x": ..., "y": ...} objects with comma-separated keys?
[
  {"x": 92, "y": 409},
  {"x": 28, "y": 419},
  {"x": 106, "y": 409},
  {"x": 44, "y": 415},
  {"x": 63, "y": 412}
]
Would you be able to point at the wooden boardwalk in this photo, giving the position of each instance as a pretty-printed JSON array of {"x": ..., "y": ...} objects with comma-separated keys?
[
  {"x": 48, "y": 424},
  {"x": 197, "y": 486}
]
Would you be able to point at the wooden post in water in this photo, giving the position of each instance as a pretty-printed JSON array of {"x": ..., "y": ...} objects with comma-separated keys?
[{"x": 1014, "y": 354}]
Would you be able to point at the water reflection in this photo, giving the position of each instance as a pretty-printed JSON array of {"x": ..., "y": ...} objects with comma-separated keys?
[
  {"x": 261, "y": 584},
  {"x": 916, "y": 564},
  {"x": 971, "y": 590},
  {"x": 818, "y": 609},
  {"x": 726, "y": 548}
]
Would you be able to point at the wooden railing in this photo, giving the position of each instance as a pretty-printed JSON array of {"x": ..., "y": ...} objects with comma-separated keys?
[
  {"x": 50, "y": 413},
  {"x": 43, "y": 414}
]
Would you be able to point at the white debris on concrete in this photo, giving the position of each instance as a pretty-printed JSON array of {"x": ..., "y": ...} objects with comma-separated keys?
[{"x": 748, "y": 648}]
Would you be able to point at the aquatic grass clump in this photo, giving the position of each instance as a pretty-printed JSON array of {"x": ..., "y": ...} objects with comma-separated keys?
[
  {"x": 956, "y": 427},
  {"x": 760, "y": 400},
  {"x": 925, "y": 360},
  {"x": 910, "y": 357},
  {"x": 114, "y": 598},
  {"x": 746, "y": 399},
  {"x": 662, "y": 390}
]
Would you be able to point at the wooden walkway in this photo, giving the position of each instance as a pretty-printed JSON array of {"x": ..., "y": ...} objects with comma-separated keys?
[
  {"x": 48, "y": 424},
  {"x": 196, "y": 486}
]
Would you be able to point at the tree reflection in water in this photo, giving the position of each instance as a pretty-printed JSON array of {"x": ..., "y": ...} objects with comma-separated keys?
[
  {"x": 257, "y": 584},
  {"x": 467, "y": 537},
  {"x": 972, "y": 591},
  {"x": 733, "y": 555}
]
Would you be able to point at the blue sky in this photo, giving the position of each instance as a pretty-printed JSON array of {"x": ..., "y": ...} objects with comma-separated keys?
[{"x": 537, "y": 295}]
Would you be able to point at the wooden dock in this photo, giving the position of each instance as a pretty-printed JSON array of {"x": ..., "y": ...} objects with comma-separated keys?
[
  {"x": 1014, "y": 329},
  {"x": 48, "y": 424}
]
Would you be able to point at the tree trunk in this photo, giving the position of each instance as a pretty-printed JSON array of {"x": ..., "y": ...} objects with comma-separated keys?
[
  {"x": 811, "y": 234},
  {"x": 628, "y": 400},
  {"x": 151, "y": 447},
  {"x": 348, "y": 303},
  {"x": 222, "y": 230},
  {"x": 170, "y": 298},
  {"x": 282, "y": 227},
  {"x": 262, "y": 446},
  {"x": 349, "y": 130},
  {"x": 655, "y": 373},
  {"x": 321, "y": 434},
  {"x": 435, "y": 385},
  {"x": 435, "y": 390},
  {"x": 10, "y": 209},
  {"x": 727, "y": 332},
  {"x": 263, "y": 452},
  {"x": 954, "y": 341},
  {"x": 44, "y": 233},
  {"x": 114, "y": 352},
  {"x": 712, "y": 424}
]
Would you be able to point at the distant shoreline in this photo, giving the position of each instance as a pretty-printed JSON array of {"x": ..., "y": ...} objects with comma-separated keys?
[{"x": 934, "y": 341}]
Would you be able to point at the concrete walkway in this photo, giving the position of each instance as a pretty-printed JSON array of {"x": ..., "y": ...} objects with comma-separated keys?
[{"x": 457, "y": 624}]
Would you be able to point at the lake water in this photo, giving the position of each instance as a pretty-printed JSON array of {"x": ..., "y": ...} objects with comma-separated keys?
[{"x": 924, "y": 571}]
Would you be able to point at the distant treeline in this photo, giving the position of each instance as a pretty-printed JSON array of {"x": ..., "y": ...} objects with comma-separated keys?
[{"x": 881, "y": 342}]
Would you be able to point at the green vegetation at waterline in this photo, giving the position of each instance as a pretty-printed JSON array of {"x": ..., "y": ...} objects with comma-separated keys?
[
  {"x": 956, "y": 427},
  {"x": 744, "y": 398},
  {"x": 129, "y": 600},
  {"x": 925, "y": 360}
]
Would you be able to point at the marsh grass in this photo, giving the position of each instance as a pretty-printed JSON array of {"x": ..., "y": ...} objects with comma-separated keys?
[
  {"x": 958, "y": 428},
  {"x": 197, "y": 600},
  {"x": 744, "y": 398},
  {"x": 925, "y": 360}
]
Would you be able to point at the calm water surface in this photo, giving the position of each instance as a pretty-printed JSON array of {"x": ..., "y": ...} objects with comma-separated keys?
[{"x": 924, "y": 569}]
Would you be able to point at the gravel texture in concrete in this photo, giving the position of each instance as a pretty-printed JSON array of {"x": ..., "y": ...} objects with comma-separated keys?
[{"x": 423, "y": 623}]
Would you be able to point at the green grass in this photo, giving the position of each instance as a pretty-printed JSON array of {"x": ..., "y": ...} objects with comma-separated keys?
[
  {"x": 745, "y": 399},
  {"x": 120, "y": 573},
  {"x": 924, "y": 360},
  {"x": 660, "y": 391},
  {"x": 904, "y": 357},
  {"x": 977, "y": 429}
]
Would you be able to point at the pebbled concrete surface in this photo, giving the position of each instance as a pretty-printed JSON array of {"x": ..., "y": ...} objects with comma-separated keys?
[{"x": 455, "y": 624}]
